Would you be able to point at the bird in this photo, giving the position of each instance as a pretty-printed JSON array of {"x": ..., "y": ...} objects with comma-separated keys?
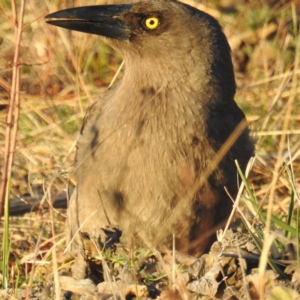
[{"x": 156, "y": 153}]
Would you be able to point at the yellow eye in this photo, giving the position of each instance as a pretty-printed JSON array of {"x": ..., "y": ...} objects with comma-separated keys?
[{"x": 152, "y": 23}]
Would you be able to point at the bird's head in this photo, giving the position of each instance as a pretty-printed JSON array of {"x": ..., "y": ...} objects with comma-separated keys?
[{"x": 162, "y": 33}]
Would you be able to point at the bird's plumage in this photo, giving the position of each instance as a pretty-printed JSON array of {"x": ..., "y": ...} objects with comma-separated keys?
[{"x": 147, "y": 143}]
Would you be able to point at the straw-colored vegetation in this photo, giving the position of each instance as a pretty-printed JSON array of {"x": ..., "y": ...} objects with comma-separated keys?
[{"x": 49, "y": 76}]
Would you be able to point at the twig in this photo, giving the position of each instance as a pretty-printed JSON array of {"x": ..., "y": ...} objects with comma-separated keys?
[{"x": 13, "y": 108}]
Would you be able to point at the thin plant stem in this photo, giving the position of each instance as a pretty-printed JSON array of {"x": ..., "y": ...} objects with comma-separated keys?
[{"x": 13, "y": 107}]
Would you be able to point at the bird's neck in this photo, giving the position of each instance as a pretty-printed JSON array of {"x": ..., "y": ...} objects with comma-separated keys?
[
  {"x": 159, "y": 72},
  {"x": 182, "y": 81}
]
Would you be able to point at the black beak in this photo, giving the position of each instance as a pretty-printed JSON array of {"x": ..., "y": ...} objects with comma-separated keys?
[{"x": 104, "y": 20}]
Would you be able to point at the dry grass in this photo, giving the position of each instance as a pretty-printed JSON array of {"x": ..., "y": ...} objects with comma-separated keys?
[{"x": 62, "y": 72}]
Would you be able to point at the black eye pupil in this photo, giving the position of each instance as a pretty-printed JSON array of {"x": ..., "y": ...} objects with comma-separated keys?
[{"x": 151, "y": 22}]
